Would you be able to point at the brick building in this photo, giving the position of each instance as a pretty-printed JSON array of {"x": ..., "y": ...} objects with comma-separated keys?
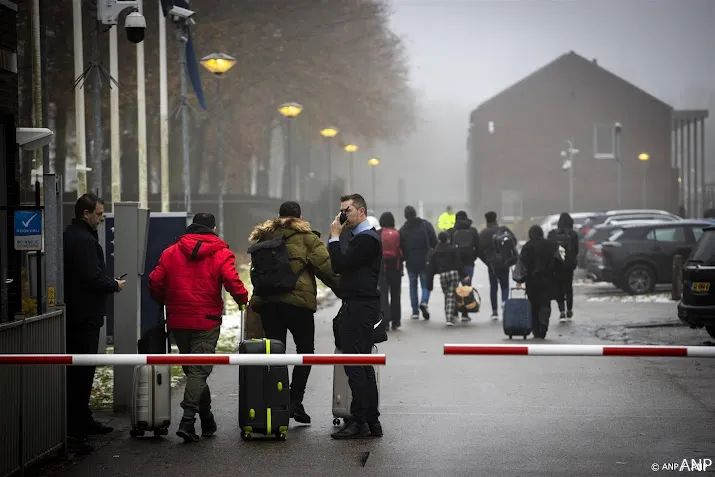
[{"x": 516, "y": 137}]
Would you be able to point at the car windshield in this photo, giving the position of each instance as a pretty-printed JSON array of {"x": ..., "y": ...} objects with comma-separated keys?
[{"x": 704, "y": 250}]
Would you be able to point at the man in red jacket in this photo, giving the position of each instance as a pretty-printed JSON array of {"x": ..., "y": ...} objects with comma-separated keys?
[{"x": 188, "y": 281}]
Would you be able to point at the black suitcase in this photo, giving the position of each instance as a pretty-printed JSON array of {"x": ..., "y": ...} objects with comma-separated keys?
[{"x": 263, "y": 393}]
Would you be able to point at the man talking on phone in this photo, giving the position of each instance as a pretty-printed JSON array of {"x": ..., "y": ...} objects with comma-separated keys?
[{"x": 359, "y": 270}]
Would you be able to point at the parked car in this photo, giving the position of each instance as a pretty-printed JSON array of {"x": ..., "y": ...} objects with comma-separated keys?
[
  {"x": 697, "y": 305},
  {"x": 590, "y": 249},
  {"x": 640, "y": 256},
  {"x": 550, "y": 222},
  {"x": 620, "y": 215}
]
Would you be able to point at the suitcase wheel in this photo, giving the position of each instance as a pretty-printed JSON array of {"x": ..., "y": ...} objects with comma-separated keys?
[
  {"x": 525, "y": 336},
  {"x": 245, "y": 436},
  {"x": 336, "y": 421},
  {"x": 509, "y": 336},
  {"x": 281, "y": 436},
  {"x": 161, "y": 432},
  {"x": 136, "y": 432}
]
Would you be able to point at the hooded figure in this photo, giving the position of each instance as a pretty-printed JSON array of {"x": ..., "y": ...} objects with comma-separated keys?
[
  {"x": 417, "y": 240},
  {"x": 541, "y": 259},
  {"x": 567, "y": 238}
]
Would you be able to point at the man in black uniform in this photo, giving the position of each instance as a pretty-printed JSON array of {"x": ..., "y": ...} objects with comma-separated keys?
[
  {"x": 87, "y": 287},
  {"x": 359, "y": 270}
]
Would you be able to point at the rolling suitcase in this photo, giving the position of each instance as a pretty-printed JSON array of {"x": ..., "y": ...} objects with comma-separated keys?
[
  {"x": 151, "y": 396},
  {"x": 342, "y": 396},
  {"x": 263, "y": 391},
  {"x": 517, "y": 319}
]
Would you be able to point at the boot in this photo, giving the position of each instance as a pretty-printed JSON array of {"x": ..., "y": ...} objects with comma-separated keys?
[
  {"x": 352, "y": 430},
  {"x": 187, "y": 430},
  {"x": 297, "y": 412},
  {"x": 208, "y": 425}
]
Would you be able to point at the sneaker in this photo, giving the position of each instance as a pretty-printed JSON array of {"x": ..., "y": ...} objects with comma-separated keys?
[
  {"x": 415, "y": 316},
  {"x": 208, "y": 425},
  {"x": 396, "y": 326},
  {"x": 187, "y": 431},
  {"x": 95, "y": 428},
  {"x": 425, "y": 311},
  {"x": 375, "y": 429},
  {"x": 569, "y": 315},
  {"x": 562, "y": 317},
  {"x": 495, "y": 315},
  {"x": 297, "y": 412},
  {"x": 352, "y": 430},
  {"x": 450, "y": 323},
  {"x": 466, "y": 318}
]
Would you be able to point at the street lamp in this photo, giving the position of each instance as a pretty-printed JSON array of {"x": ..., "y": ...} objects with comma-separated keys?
[
  {"x": 644, "y": 157},
  {"x": 218, "y": 64},
  {"x": 329, "y": 133},
  {"x": 350, "y": 149},
  {"x": 568, "y": 166},
  {"x": 288, "y": 111},
  {"x": 374, "y": 161}
]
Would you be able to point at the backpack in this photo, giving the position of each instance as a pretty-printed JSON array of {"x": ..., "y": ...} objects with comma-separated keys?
[
  {"x": 468, "y": 299},
  {"x": 271, "y": 273},
  {"x": 505, "y": 253},
  {"x": 563, "y": 238},
  {"x": 462, "y": 239},
  {"x": 390, "y": 244}
]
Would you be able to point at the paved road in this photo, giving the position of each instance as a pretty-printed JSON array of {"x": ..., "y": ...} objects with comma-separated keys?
[{"x": 463, "y": 416}]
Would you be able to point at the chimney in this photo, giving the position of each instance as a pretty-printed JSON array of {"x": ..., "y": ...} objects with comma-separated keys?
[{"x": 594, "y": 61}]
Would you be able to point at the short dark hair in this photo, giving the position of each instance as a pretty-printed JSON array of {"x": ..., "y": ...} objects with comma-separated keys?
[
  {"x": 358, "y": 201},
  {"x": 290, "y": 209},
  {"x": 443, "y": 237},
  {"x": 88, "y": 202},
  {"x": 491, "y": 216},
  {"x": 387, "y": 220},
  {"x": 461, "y": 215},
  {"x": 205, "y": 219}
]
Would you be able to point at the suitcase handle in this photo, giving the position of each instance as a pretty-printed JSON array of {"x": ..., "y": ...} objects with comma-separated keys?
[
  {"x": 511, "y": 294},
  {"x": 243, "y": 323}
]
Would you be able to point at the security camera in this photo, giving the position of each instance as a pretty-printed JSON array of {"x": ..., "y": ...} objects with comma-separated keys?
[
  {"x": 617, "y": 127},
  {"x": 135, "y": 25},
  {"x": 181, "y": 13}
]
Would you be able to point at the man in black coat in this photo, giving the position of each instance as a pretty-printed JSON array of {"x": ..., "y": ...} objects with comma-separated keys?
[
  {"x": 465, "y": 239},
  {"x": 567, "y": 237},
  {"x": 87, "y": 287},
  {"x": 359, "y": 267}
]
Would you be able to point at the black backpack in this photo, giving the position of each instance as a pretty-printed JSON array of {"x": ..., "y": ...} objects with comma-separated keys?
[
  {"x": 562, "y": 238},
  {"x": 462, "y": 239},
  {"x": 271, "y": 273},
  {"x": 505, "y": 253}
]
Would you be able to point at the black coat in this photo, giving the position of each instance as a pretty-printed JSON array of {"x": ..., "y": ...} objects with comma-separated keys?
[
  {"x": 542, "y": 264},
  {"x": 87, "y": 284},
  {"x": 470, "y": 253},
  {"x": 444, "y": 259}
]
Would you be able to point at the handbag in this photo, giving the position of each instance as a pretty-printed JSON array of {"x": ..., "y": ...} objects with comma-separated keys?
[
  {"x": 468, "y": 299},
  {"x": 519, "y": 273}
]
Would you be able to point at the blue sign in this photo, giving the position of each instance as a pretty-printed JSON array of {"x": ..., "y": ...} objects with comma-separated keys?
[{"x": 28, "y": 230}]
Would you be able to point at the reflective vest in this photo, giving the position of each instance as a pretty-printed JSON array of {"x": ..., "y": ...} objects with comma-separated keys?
[{"x": 446, "y": 221}]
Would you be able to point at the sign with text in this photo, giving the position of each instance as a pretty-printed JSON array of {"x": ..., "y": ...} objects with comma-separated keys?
[{"x": 28, "y": 230}]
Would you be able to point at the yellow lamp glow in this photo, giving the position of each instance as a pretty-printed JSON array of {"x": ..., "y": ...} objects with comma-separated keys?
[
  {"x": 643, "y": 156},
  {"x": 290, "y": 110},
  {"x": 373, "y": 161},
  {"x": 218, "y": 63},
  {"x": 329, "y": 132},
  {"x": 351, "y": 148}
]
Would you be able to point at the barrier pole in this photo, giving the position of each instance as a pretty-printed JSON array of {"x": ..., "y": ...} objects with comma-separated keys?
[
  {"x": 580, "y": 350},
  {"x": 194, "y": 359}
]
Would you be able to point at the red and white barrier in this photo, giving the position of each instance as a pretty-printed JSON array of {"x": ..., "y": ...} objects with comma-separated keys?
[
  {"x": 580, "y": 350},
  {"x": 195, "y": 359}
]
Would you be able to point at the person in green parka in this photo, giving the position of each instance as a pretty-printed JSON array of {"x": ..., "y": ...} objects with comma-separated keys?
[{"x": 293, "y": 311}]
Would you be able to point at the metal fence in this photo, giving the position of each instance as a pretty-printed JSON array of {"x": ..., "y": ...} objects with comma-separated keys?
[{"x": 32, "y": 413}]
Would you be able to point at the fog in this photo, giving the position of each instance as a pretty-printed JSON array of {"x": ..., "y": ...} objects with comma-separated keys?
[{"x": 463, "y": 52}]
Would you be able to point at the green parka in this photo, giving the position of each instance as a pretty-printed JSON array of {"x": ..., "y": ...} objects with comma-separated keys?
[{"x": 305, "y": 247}]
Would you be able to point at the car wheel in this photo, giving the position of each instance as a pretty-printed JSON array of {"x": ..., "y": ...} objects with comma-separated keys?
[
  {"x": 639, "y": 280},
  {"x": 710, "y": 330}
]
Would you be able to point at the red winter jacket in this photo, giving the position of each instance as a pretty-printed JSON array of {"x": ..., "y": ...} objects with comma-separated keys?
[{"x": 189, "y": 276}]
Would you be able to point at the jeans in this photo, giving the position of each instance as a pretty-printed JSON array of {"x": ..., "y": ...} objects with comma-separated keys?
[
  {"x": 413, "y": 275},
  {"x": 278, "y": 319},
  {"x": 469, "y": 270},
  {"x": 498, "y": 278},
  {"x": 197, "y": 396}
]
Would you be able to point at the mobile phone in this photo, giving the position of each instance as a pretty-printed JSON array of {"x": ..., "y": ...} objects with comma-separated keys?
[
  {"x": 343, "y": 218},
  {"x": 122, "y": 277}
]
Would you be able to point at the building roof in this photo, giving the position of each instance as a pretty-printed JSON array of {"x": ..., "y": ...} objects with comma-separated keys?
[{"x": 567, "y": 61}]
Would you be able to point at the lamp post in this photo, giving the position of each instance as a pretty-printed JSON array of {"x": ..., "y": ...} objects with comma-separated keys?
[
  {"x": 288, "y": 111},
  {"x": 617, "y": 128},
  {"x": 218, "y": 64},
  {"x": 329, "y": 133},
  {"x": 644, "y": 157},
  {"x": 350, "y": 149},
  {"x": 374, "y": 161},
  {"x": 568, "y": 166}
]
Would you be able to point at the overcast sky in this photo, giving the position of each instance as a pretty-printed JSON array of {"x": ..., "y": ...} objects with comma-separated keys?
[{"x": 465, "y": 51}]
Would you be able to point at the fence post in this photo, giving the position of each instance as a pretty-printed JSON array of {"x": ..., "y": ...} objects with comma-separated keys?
[{"x": 676, "y": 291}]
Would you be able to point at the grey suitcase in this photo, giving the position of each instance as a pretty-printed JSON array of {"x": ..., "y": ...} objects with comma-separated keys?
[
  {"x": 151, "y": 400},
  {"x": 342, "y": 396}
]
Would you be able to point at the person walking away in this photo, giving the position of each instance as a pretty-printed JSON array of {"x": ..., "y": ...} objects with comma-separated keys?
[
  {"x": 293, "y": 309},
  {"x": 417, "y": 240},
  {"x": 392, "y": 270},
  {"x": 446, "y": 263},
  {"x": 446, "y": 220},
  {"x": 541, "y": 259},
  {"x": 359, "y": 269},
  {"x": 465, "y": 239},
  {"x": 188, "y": 281},
  {"x": 497, "y": 249},
  {"x": 567, "y": 238},
  {"x": 87, "y": 287}
]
